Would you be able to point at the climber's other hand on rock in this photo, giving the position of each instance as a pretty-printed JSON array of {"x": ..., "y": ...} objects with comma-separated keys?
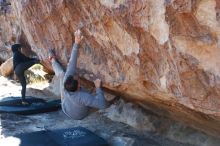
[
  {"x": 78, "y": 36},
  {"x": 97, "y": 83}
]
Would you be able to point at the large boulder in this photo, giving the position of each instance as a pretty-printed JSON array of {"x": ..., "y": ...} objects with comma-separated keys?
[
  {"x": 7, "y": 37},
  {"x": 10, "y": 31},
  {"x": 161, "y": 54},
  {"x": 6, "y": 68}
]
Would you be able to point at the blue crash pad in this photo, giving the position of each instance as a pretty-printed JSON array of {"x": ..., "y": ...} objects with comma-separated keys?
[
  {"x": 77, "y": 136},
  {"x": 13, "y": 105}
]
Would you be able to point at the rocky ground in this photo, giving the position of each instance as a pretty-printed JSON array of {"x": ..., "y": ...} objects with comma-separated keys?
[{"x": 122, "y": 124}]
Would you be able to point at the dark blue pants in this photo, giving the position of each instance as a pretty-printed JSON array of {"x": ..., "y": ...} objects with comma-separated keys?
[{"x": 19, "y": 71}]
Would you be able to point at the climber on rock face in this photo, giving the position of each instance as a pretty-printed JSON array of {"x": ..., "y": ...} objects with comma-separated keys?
[
  {"x": 21, "y": 63},
  {"x": 75, "y": 101}
]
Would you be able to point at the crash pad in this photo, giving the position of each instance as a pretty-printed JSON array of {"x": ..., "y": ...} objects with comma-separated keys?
[
  {"x": 14, "y": 105},
  {"x": 77, "y": 136}
]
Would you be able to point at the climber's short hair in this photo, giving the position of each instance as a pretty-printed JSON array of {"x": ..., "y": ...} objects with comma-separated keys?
[{"x": 71, "y": 84}]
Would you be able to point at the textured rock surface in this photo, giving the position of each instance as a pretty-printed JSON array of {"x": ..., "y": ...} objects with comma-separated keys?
[
  {"x": 8, "y": 34},
  {"x": 6, "y": 68},
  {"x": 162, "y": 54}
]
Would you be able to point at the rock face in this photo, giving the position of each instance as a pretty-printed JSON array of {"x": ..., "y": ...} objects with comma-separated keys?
[
  {"x": 6, "y": 68},
  {"x": 10, "y": 32},
  {"x": 162, "y": 54}
]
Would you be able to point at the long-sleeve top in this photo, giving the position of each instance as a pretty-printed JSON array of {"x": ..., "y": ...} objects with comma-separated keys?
[
  {"x": 76, "y": 104},
  {"x": 18, "y": 58}
]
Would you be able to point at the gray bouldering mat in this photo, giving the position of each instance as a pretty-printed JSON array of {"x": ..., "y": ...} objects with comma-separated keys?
[
  {"x": 77, "y": 136},
  {"x": 13, "y": 105}
]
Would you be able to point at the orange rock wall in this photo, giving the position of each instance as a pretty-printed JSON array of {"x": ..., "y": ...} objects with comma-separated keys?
[{"x": 162, "y": 54}]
